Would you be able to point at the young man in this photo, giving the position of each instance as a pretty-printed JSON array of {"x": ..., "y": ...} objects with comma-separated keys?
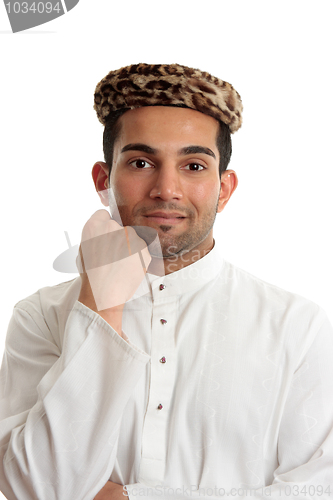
[{"x": 214, "y": 382}]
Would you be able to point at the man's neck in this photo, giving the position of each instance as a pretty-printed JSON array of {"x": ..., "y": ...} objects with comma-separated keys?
[{"x": 177, "y": 262}]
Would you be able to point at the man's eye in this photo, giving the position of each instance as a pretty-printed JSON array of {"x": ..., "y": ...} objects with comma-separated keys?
[
  {"x": 140, "y": 164},
  {"x": 194, "y": 167}
]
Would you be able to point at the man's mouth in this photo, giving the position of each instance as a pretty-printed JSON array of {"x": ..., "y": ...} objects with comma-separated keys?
[{"x": 165, "y": 217}]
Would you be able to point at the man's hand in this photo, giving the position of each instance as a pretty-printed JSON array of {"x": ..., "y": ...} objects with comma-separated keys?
[
  {"x": 112, "y": 262},
  {"x": 111, "y": 491}
]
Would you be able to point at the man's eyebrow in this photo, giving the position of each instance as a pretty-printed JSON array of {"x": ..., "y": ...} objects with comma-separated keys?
[
  {"x": 190, "y": 150},
  {"x": 187, "y": 150},
  {"x": 139, "y": 147}
]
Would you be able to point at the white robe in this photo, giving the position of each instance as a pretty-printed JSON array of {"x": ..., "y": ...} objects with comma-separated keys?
[{"x": 246, "y": 390}]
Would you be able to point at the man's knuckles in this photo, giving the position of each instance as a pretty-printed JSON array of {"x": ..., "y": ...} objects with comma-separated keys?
[
  {"x": 101, "y": 215},
  {"x": 96, "y": 227},
  {"x": 104, "y": 242},
  {"x": 111, "y": 247}
]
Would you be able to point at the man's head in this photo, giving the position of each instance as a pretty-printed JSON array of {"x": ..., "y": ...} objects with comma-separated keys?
[
  {"x": 165, "y": 174},
  {"x": 166, "y": 160}
]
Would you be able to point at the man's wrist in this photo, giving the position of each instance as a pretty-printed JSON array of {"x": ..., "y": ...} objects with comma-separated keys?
[{"x": 113, "y": 316}]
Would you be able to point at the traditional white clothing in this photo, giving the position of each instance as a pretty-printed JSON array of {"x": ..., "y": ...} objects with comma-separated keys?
[{"x": 225, "y": 384}]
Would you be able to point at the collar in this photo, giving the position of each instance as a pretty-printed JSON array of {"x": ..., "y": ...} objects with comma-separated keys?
[{"x": 185, "y": 280}]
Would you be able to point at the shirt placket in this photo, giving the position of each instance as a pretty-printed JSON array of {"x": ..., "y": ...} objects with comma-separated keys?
[{"x": 163, "y": 368}]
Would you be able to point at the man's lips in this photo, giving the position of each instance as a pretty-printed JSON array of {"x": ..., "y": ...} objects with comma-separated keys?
[{"x": 165, "y": 217}]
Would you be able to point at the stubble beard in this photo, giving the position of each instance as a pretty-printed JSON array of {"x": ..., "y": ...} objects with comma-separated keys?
[
  {"x": 170, "y": 245},
  {"x": 177, "y": 245}
]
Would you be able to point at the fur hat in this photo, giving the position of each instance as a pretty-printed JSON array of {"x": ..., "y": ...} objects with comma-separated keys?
[{"x": 168, "y": 85}]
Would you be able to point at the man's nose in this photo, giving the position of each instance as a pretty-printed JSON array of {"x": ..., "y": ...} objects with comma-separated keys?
[{"x": 167, "y": 185}]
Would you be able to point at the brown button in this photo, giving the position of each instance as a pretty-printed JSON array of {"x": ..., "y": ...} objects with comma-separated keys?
[
  {"x": 160, "y": 407},
  {"x": 163, "y": 321},
  {"x": 163, "y": 360},
  {"x": 162, "y": 286}
]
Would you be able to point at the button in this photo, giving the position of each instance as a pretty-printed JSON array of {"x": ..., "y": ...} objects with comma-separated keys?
[
  {"x": 163, "y": 360},
  {"x": 160, "y": 407},
  {"x": 162, "y": 286},
  {"x": 163, "y": 321}
]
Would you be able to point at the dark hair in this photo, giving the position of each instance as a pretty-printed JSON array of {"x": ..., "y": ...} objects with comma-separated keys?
[{"x": 113, "y": 126}]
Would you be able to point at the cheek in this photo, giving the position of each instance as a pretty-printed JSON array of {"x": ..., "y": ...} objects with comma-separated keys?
[
  {"x": 119, "y": 188},
  {"x": 205, "y": 194},
  {"x": 126, "y": 190}
]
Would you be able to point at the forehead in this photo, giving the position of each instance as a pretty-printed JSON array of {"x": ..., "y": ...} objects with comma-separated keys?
[{"x": 169, "y": 125}]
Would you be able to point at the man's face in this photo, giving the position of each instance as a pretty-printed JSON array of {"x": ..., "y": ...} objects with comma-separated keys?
[{"x": 165, "y": 175}]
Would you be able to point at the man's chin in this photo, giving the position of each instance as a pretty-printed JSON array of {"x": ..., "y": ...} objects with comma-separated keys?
[
  {"x": 173, "y": 250},
  {"x": 158, "y": 250}
]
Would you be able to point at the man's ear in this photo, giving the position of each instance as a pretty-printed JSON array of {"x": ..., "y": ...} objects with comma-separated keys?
[
  {"x": 229, "y": 182},
  {"x": 100, "y": 175}
]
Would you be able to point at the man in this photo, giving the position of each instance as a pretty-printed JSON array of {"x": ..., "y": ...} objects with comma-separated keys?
[{"x": 212, "y": 384}]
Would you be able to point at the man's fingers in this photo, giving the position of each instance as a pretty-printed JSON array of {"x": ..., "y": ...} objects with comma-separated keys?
[
  {"x": 135, "y": 243},
  {"x": 104, "y": 242},
  {"x": 111, "y": 247},
  {"x": 99, "y": 223},
  {"x": 148, "y": 234},
  {"x": 102, "y": 215}
]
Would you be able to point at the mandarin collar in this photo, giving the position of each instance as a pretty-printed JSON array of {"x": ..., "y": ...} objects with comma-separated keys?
[{"x": 185, "y": 280}]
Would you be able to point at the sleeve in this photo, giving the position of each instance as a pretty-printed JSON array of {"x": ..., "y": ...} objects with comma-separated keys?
[
  {"x": 60, "y": 412},
  {"x": 305, "y": 441}
]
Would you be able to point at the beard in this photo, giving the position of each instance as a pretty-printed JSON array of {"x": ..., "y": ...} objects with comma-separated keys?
[
  {"x": 178, "y": 244},
  {"x": 170, "y": 243}
]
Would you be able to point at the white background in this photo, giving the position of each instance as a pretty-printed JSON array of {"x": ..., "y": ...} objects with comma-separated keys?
[{"x": 278, "y": 55}]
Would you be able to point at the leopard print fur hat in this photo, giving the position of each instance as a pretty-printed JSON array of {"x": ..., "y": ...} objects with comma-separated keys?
[{"x": 168, "y": 85}]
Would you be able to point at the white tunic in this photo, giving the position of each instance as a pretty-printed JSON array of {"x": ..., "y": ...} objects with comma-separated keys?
[{"x": 232, "y": 392}]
